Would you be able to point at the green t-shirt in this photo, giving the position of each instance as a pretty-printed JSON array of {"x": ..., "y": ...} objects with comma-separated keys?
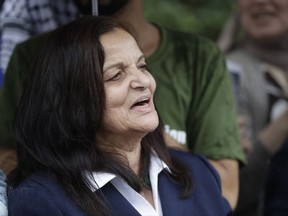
[{"x": 193, "y": 93}]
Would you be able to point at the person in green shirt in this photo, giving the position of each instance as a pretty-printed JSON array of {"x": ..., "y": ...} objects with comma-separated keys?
[{"x": 193, "y": 96}]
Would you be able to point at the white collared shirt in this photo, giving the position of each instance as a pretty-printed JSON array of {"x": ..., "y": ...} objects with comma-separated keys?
[{"x": 134, "y": 198}]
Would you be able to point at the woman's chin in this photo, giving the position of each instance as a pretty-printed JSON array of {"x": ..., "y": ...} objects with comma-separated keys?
[{"x": 150, "y": 125}]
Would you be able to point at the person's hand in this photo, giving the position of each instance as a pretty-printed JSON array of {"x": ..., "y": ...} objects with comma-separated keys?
[
  {"x": 275, "y": 133},
  {"x": 282, "y": 122}
]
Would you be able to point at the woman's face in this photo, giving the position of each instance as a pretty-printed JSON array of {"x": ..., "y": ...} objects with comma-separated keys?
[
  {"x": 129, "y": 87},
  {"x": 264, "y": 20}
]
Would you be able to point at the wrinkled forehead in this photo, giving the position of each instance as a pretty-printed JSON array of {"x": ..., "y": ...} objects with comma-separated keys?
[
  {"x": 120, "y": 48},
  {"x": 118, "y": 39}
]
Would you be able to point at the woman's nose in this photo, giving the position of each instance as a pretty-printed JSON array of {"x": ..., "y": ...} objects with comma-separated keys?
[{"x": 140, "y": 79}]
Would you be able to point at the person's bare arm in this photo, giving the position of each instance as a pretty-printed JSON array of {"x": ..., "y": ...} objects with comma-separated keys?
[
  {"x": 229, "y": 174},
  {"x": 172, "y": 143},
  {"x": 274, "y": 134},
  {"x": 7, "y": 159}
]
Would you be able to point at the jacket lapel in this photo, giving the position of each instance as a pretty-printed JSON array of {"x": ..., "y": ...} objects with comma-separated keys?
[
  {"x": 117, "y": 204},
  {"x": 170, "y": 192}
]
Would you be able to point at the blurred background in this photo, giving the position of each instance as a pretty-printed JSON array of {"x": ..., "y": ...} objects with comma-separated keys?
[{"x": 204, "y": 17}]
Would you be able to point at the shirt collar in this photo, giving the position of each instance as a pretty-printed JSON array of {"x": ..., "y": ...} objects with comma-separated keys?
[{"x": 99, "y": 179}]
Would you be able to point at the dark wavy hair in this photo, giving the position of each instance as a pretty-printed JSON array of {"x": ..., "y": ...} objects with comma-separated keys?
[{"x": 59, "y": 117}]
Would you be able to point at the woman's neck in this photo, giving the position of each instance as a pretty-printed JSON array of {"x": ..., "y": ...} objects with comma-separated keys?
[
  {"x": 133, "y": 157},
  {"x": 127, "y": 145}
]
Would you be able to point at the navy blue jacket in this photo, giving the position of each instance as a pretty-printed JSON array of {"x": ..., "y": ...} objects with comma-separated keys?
[{"x": 39, "y": 195}]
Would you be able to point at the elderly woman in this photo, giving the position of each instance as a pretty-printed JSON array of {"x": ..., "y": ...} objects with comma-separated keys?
[{"x": 89, "y": 139}]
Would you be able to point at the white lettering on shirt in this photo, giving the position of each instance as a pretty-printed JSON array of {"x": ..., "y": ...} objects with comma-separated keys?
[{"x": 179, "y": 136}]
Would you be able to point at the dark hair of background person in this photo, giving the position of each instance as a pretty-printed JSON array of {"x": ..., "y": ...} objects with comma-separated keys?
[{"x": 60, "y": 113}]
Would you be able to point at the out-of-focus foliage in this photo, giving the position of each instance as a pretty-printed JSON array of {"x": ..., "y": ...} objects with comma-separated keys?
[{"x": 204, "y": 17}]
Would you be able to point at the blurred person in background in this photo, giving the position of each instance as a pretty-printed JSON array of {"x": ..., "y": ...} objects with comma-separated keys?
[
  {"x": 21, "y": 19},
  {"x": 260, "y": 55},
  {"x": 3, "y": 195}
]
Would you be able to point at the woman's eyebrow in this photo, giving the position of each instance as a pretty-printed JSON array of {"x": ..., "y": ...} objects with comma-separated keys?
[
  {"x": 116, "y": 64},
  {"x": 120, "y": 64},
  {"x": 142, "y": 57}
]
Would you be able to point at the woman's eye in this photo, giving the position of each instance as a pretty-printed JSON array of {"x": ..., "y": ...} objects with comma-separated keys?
[
  {"x": 117, "y": 76},
  {"x": 143, "y": 67}
]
